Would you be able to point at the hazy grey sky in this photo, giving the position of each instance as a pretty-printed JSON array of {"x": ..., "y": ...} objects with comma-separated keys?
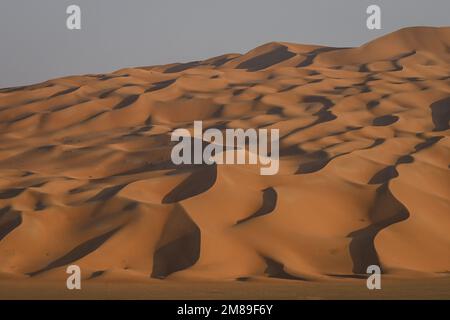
[{"x": 35, "y": 44}]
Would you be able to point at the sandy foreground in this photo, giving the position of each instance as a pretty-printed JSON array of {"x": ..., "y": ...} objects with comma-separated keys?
[
  {"x": 258, "y": 290},
  {"x": 86, "y": 177}
]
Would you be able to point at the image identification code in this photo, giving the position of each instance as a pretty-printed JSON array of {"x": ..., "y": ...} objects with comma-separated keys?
[{"x": 226, "y": 309}]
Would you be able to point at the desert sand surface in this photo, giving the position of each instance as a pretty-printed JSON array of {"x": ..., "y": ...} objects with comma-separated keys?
[
  {"x": 413, "y": 289},
  {"x": 86, "y": 176}
]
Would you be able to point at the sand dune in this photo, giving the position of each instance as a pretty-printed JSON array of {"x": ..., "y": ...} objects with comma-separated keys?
[{"x": 86, "y": 176}]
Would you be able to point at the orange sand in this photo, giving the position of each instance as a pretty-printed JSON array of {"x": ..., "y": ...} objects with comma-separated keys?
[{"x": 86, "y": 176}]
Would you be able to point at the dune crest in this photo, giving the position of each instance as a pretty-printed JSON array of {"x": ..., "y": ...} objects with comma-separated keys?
[{"x": 86, "y": 176}]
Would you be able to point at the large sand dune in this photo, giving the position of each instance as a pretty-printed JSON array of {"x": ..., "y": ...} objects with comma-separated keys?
[{"x": 86, "y": 176}]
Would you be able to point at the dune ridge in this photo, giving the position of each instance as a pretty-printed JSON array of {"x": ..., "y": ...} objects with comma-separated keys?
[{"x": 86, "y": 176}]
